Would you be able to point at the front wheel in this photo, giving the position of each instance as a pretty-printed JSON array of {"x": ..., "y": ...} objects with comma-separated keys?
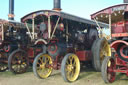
[
  {"x": 18, "y": 61},
  {"x": 70, "y": 67},
  {"x": 42, "y": 65},
  {"x": 107, "y": 70}
]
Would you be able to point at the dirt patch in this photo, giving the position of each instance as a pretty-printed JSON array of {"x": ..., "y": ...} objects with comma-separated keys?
[{"x": 87, "y": 77}]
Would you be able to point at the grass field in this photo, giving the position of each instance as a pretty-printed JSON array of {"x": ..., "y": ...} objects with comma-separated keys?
[{"x": 86, "y": 77}]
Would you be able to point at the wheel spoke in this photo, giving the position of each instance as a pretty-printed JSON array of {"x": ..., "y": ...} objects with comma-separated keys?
[
  {"x": 40, "y": 60},
  {"x": 66, "y": 69},
  {"x": 38, "y": 68},
  {"x": 38, "y": 63},
  {"x": 70, "y": 59},
  {"x": 68, "y": 74},
  {"x": 46, "y": 60},
  {"x": 16, "y": 68},
  {"x": 18, "y": 61},
  {"x": 43, "y": 70},
  {"x": 72, "y": 73},
  {"x": 110, "y": 70},
  {"x": 70, "y": 67},
  {"x": 74, "y": 63},
  {"x": 67, "y": 62}
]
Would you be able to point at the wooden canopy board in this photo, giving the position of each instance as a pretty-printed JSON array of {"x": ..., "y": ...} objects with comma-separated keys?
[
  {"x": 117, "y": 18},
  {"x": 12, "y": 23},
  {"x": 70, "y": 24},
  {"x": 62, "y": 15},
  {"x": 4, "y": 27}
]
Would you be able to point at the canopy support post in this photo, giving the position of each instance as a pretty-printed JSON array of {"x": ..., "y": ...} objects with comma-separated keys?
[
  {"x": 66, "y": 31},
  {"x": 101, "y": 33},
  {"x": 49, "y": 27},
  {"x": 55, "y": 27},
  {"x": 2, "y": 32},
  {"x": 97, "y": 23},
  {"x": 28, "y": 30},
  {"x": 110, "y": 22},
  {"x": 33, "y": 29}
]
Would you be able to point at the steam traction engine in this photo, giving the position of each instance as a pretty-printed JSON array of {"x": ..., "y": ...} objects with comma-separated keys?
[
  {"x": 18, "y": 46},
  {"x": 117, "y": 17},
  {"x": 68, "y": 40},
  {"x": 13, "y": 38}
]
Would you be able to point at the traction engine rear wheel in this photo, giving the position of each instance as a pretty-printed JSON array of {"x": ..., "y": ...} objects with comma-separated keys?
[
  {"x": 92, "y": 36},
  {"x": 70, "y": 67},
  {"x": 18, "y": 61},
  {"x": 100, "y": 50},
  {"x": 107, "y": 70},
  {"x": 42, "y": 65},
  {"x": 93, "y": 49}
]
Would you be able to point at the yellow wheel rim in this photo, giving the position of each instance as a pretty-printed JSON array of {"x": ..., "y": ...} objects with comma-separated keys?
[
  {"x": 44, "y": 66},
  {"x": 105, "y": 50},
  {"x": 109, "y": 63},
  {"x": 72, "y": 67}
]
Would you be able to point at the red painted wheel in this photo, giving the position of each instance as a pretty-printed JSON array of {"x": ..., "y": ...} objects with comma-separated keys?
[
  {"x": 18, "y": 61},
  {"x": 122, "y": 52},
  {"x": 107, "y": 69}
]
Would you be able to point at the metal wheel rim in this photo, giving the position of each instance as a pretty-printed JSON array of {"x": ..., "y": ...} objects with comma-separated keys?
[
  {"x": 44, "y": 66},
  {"x": 105, "y": 50},
  {"x": 110, "y": 70},
  {"x": 72, "y": 67},
  {"x": 19, "y": 62}
]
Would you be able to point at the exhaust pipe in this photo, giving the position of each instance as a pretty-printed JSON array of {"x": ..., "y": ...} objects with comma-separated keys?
[
  {"x": 57, "y": 5},
  {"x": 125, "y": 1},
  {"x": 11, "y": 10}
]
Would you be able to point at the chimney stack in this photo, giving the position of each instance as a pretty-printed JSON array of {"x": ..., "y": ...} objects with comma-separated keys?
[
  {"x": 11, "y": 10},
  {"x": 57, "y": 5},
  {"x": 125, "y": 1}
]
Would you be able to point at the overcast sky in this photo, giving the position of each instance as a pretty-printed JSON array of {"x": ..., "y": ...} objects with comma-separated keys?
[{"x": 82, "y": 8}]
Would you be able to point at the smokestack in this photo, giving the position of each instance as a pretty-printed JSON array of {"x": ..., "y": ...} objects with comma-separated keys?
[
  {"x": 57, "y": 5},
  {"x": 11, "y": 10},
  {"x": 125, "y": 1}
]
